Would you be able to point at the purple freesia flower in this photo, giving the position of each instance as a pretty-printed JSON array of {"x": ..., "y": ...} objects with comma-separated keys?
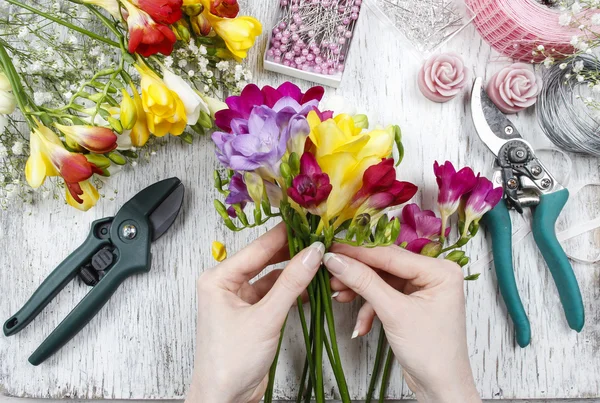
[
  {"x": 479, "y": 201},
  {"x": 418, "y": 228},
  {"x": 260, "y": 143},
  {"x": 453, "y": 185},
  {"x": 238, "y": 194},
  {"x": 240, "y": 106}
]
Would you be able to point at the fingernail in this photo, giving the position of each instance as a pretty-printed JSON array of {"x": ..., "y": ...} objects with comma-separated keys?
[
  {"x": 313, "y": 256},
  {"x": 355, "y": 332},
  {"x": 334, "y": 263},
  {"x": 335, "y": 294}
]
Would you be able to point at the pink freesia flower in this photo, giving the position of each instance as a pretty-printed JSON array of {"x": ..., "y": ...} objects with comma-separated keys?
[
  {"x": 311, "y": 187},
  {"x": 380, "y": 189},
  {"x": 442, "y": 77},
  {"x": 479, "y": 201},
  {"x": 514, "y": 88},
  {"x": 453, "y": 185},
  {"x": 241, "y": 105},
  {"x": 418, "y": 228}
]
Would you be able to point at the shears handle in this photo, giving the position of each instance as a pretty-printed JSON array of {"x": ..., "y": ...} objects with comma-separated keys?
[
  {"x": 543, "y": 228},
  {"x": 59, "y": 277},
  {"x": 498, "y": 223}
]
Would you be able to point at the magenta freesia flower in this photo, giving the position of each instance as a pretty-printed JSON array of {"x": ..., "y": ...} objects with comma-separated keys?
[
  {"x": 418, "y": 228},
  {"x": 311, "y": 187},
  {"x": 453, "y": 185},
  {"x": 380, "y": 189},
  {"x": 259, "y": 142},
  {"x": 479, "y": 201},
  {"x": 240, "y": 106}
]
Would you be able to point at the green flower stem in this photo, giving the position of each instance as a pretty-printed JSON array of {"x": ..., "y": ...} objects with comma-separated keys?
[
  {"x": 318, "y": 350},
  {"x": 303, "y": 380},
  {"x": 16, "y": 85},
  {"x": 336, "y": 363},
  {"x": 386, "y": 374},
  {"x": 270, "y": 384},
  {"x": 376, "y": 365},
  {"x": 64, "y": 23},
  {"x": 108, "y": 23}
]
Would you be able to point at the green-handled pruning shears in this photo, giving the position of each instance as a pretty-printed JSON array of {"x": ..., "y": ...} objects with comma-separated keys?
[
  {"x": 526, "y": 183},
  {"x": 116, "y": 248}
]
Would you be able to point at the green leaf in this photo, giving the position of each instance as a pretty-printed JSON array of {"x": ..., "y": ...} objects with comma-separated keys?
[
  {"x": 399, "y": 145},
  {"x": 472, "y": 277}
]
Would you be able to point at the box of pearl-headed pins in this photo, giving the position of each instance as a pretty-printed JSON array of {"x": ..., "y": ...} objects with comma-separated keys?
[{"x": 311, "y": 38}]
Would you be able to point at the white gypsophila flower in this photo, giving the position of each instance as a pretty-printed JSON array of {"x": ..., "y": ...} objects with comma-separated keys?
[
  {"x": 595, "y": 19},
  {"x": 191, "y": 73},
  {"x": 562, "y": 66},
  {"x": 202, "y": 50},
  {"x": 168, "y": 61},
  {"x": 3, "y": 151},
  {"x": 23, "y": 32},
  {"x": 205, "y": 89},
  {"x": 209, "y": 74},
  {"x": 540, "y": 47},
  {"x": 578, "y": 66},
  {"x": 3, "y": 123},
  {"x": 222, "y": 65},
  {"x": 17, "y": 148},
  {"x": 580, "y": 78},
  {"x": 247, "y": 75},
  {"x": 182, "y": 63},
  {"x": 548, "y": 62},
  {"x": 68, "y": 95},
  {"x": 564, "y": 19},
  {"x": 582, "y": 45},
  {"x": 576, "y": 8},
  {"x": 574, "y": 40},
  {"x": 153, "y": 153},
  {"x": 240, "y": 85}
]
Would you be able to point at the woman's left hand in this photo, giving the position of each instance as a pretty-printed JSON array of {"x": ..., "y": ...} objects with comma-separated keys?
[{"x": 239, "y": 323}]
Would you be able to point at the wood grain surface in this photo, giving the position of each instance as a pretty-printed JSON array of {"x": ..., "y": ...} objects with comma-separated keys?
[{"x": 141, "y": 345}]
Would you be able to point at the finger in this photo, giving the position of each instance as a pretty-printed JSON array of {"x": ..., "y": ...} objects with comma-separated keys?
[
  {"x": 344, "y": 296},
  {"x": 364, "y": 320},
  {"x": 263, "y": 285},
  {"x": 337, "y": 285},
  {"x": 293, "y": 280},
  {"x": 361, "y": 279},
  {"x": 394, "y": 260},
  {"x": 251, "y": 260}
]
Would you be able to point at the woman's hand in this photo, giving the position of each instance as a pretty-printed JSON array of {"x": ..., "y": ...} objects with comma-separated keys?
[
  {"x": 239, "y": 323},
  {"x": 420, "y": 301}
]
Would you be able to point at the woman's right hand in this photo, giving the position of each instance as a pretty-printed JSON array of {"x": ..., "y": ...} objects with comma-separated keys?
[{"x": 421, "y": 303}]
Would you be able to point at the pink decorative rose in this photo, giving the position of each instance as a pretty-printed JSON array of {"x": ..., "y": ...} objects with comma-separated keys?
[
  {"x": 442, "y": 77},
  {"x": 514, "y": 88}
]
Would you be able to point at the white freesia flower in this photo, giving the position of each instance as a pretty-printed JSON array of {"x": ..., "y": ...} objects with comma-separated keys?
[
  {"x": 4, "y": 83},
  {"x": 192, "y": 102},
  {"x": 8, "y": 102}
]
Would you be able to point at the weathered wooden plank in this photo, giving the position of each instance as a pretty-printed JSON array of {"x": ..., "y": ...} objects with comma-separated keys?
[{"x": 141, "y": 344}]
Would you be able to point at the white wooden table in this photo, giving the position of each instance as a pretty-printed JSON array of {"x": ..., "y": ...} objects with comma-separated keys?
[{"x": 141, "y": 345}]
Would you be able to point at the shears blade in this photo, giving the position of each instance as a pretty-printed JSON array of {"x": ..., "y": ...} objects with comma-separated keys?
[
  {"x": 165, "y": 214},
  {"x": 492, "y": 126}
]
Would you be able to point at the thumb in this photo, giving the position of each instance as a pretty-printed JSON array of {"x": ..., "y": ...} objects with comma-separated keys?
[{"x": 294, "y": 279}]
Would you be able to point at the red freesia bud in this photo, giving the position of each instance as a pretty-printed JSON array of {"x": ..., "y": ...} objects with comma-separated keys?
[
  {"x": 380, "y": 189},
  {"x": 161, "y": 11},
  {"x": 311, "y": 187},
  {"x": 225, "y": 8},
  {"x": 96, "y": 139},
  {"x": 146, "y": 36}
]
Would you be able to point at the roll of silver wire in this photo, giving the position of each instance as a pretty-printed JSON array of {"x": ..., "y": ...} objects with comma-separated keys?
[{"x": 562, "y": 112}]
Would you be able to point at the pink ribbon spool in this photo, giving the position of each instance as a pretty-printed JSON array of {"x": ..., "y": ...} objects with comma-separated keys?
[{"x": 517, "y": 27}]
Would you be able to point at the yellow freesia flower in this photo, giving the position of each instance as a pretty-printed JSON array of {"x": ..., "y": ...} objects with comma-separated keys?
[
  {"x": 344, "y": 153},
  {"x": 139, "y": 133},
  {"x": 89, "y": 196},
  {"x": 164, "y": 109},
  {"x": 239, "y": 33}
]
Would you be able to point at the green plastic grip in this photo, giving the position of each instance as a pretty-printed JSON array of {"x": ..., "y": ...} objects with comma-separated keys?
[
  {"x": 497, "y": 222},
  {"x": 544, "y": 221}
]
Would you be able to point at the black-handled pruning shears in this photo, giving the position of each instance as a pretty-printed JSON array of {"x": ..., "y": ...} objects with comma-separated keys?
[
  {"x": 116, "y": 248},
  {"x": 526, "y": 183}
]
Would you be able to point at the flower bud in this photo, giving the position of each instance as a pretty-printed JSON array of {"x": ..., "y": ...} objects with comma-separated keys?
[
  {"x": 255, "y": 186},
  {"x": 393, "y": 229},
  {"x": 187, "y": 137},
  {"x": 99, "y": 160},
  {"x": 217, "y": 181},
  {"x": 115, "y": 124},
  {"x": 472, "y": 277},
  {"x": 8, "y": 103},
  {"x": 205, "y": 120},
  {"x": 128, "y": 111},
  {"x": 361, "y": 121},
  {"x": 219, "y": 251},
  {"x": 116, "y": 158},
  {"x": 455, "y": 256},
  {"x": 463, "y": 262},
  {"x": 193, "y": 9},
  {"x": 285, "y": 171},
  {"x": 432, "y": 249},
  {"x": 181, "y": 31},
  {"x": 200, "y": 25},
  {"x": 4, "y": 83},
  {"x": 294, "y": 163},
  {"x": 220, "y": 207}
]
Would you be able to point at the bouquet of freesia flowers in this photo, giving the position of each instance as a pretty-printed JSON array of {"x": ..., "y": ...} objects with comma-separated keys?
[
  {"x": 126, "y": 72},
  {"x": 331, "y": 179}
]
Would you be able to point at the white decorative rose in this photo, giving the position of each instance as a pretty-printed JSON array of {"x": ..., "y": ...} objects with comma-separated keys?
[
  {"x": 514, "y": 88},
  {"x": 442, "y": 77}
]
